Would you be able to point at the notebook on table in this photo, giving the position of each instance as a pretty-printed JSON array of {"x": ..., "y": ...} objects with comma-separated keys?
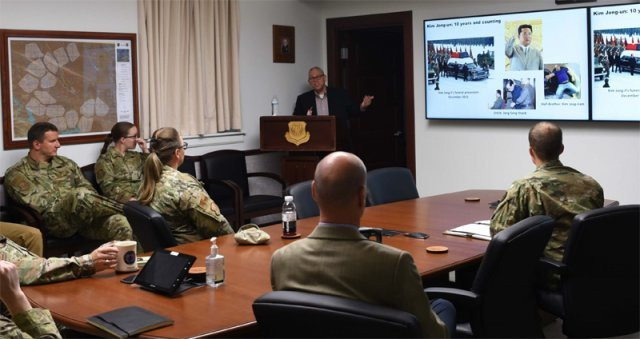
[
  {"x": 476, "y": 230},
  {"x": 128, "y": 321}
]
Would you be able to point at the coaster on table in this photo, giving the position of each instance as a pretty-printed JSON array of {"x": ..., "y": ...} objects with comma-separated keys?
[
  {"x": 293, "y": 236},
  {"x": 437, "y": 249},
  {"x": 473, "y": 199}
]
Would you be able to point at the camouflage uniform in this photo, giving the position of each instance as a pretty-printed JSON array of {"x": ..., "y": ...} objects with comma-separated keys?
[
  {"x": 120, "y": 175},
  {"x": 25, "y": 236},
  {"x": 66, "y": 200},
  {"x": 36, "y": 270},
  {"x": 190, "y": 212},
  {"x": 552, "y": 189},
  {"x": 34, "y": 323}
]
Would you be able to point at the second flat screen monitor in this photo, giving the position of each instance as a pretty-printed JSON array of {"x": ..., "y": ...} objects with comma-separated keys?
[
  {"x": 523, "y": 66},
  {"x": 615, "y": 51}
]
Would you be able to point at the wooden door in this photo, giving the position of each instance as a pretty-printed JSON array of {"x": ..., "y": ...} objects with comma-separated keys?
[{"x": 372, "y": 55}]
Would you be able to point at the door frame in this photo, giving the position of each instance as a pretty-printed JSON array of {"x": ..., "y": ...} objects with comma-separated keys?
[{"x": 403, "y": 19}]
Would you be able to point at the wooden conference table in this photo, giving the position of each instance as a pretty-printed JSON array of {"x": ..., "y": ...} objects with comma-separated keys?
[{"x": 226, "y": 311}]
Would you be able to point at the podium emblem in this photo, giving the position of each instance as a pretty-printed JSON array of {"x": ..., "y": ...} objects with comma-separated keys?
[{"x": 297, "y": 133}]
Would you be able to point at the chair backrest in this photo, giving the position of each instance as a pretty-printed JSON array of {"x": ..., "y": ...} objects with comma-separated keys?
[
  {"x": 225, "y": 165},
  {"x": 148, "y": 226},
  {"x": 283, "y": 314},
  {"x": 385, "y": 185},
  {"x": 505, "y": 281},
  {"x": 89, "y": 172},
  {"x": 188, "y": 165},
  {"x": 306, "y": 207},
  {"x": 601, "y": 286}
]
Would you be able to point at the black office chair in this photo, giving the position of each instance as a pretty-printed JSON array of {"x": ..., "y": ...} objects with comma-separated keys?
[
  {"x": 148, "y": 226},
  {"x": 598, "y": 295},
  {"x": 306, "y": 207},
  {"x": 89, "y": 172},
  {"x": 385, "y": 185},
  {"x": 289, "y": 314},
  {"x": 502, "y": 300},
  {"x": 225, "y": 176},
  {"x": 189, "y": 165}
]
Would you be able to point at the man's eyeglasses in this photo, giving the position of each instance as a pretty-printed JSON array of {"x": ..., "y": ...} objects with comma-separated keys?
[
  {"x": 319, "y": 77},
  {"x": 185, "y": 145}
]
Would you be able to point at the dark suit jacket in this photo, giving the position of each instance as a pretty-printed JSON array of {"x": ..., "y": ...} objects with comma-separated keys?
[
  {"x": 340, "y": 106},
  {"x": 338, "y": 260}
]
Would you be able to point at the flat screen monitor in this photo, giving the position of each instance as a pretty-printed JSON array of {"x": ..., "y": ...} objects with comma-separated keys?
[
  {"x": 520, "y": 66},
  {"x": 615, "y": 57}
]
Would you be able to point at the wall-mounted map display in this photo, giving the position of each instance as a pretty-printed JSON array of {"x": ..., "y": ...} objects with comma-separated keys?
[{"x": 81, "y": 82}]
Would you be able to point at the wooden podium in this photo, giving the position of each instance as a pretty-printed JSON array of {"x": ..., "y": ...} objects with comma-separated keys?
[{"x": 302, "y": 137}]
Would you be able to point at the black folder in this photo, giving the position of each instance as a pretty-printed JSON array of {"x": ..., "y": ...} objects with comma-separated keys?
[{"x": 128, "y": 321}]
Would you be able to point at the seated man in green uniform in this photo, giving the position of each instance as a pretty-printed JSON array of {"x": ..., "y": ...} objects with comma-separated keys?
[
  {"x": 55, "y": 187},
  {"x": 26, "y": 322},
  {"x": 552, "y": 189}
]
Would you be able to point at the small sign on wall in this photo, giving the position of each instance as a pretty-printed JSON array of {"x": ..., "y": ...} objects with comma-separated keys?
[{"x": 284, "y": 44}]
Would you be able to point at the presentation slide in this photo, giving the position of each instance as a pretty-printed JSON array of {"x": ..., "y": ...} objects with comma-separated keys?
[
  {"x": 615, "y": 52},
  {"x": 521, "y": 66}
]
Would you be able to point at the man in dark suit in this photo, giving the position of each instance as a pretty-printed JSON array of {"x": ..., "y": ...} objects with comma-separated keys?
[
  {"x": 322, "y": 100},
  {"x": 336, "y": 259}
]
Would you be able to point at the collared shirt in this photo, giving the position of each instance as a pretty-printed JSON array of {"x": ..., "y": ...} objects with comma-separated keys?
[
  {"x": 322, "y": 103},
  {"x": 354, "y": 227}
]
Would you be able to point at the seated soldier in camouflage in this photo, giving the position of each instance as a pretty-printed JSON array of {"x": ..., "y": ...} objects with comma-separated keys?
[
  {"x": 118, "y": 170},
  {"x": 26, "y": 322},
  {"x": 179, "y": 197},
  {"x": 552, "y": 189},
  {"x": 55, "y": 187}
]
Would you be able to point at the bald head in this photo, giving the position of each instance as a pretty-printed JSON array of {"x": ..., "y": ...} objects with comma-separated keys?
[
  {"x": 545, "y": 139},
  {"x": 339, "y": 180}
]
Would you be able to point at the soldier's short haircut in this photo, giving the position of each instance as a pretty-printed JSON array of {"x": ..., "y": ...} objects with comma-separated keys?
[
  {"x": 37, "y": 131},
  {"x": 545, "y": 139},
  {"x": 521, "y": 27}
]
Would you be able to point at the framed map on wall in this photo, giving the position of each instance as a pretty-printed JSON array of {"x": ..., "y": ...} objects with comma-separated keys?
[{"x": 82, "y": 82}]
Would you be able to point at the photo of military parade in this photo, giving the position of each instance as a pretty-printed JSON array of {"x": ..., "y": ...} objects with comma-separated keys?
[
  {"x": 616, "y": 56},
  {"x": 453, "y": 62}
]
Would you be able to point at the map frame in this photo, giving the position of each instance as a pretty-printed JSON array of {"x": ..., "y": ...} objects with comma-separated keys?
[{"x": 10, "y": 141}]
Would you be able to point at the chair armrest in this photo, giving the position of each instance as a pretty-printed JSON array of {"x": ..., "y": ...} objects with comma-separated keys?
[
  {"x": 270, "y": 176},
  {"x": 549, "y": 265},
  {"x": 462, "y": 299},
  {"x": 236, "y": 194},
  {"x": 226, "y": 185}
]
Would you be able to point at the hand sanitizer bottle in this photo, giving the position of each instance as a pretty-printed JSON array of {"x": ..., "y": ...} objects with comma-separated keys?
[{"x": 215, "y": 266}]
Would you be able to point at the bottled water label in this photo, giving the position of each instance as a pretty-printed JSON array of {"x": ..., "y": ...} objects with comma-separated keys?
[
  {"x": 289, "y": 216},
  {"x": 289, "y": 223}
]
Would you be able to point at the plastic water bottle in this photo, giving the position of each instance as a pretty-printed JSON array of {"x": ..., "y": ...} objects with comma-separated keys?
[
  {"x": 289, "y": 217},
  {"x": 274, "y": 106}
]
